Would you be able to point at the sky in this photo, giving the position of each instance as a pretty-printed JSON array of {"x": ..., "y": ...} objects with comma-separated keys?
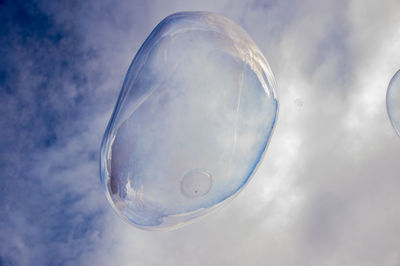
[{"x": 326, "y": 192}]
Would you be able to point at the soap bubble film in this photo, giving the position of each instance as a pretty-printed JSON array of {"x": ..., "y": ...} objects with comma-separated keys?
[
  {"x": 393, "y": 101},
  {"x": 191, "y": 124}
]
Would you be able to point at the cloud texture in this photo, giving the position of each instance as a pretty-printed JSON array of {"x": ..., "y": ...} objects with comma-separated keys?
[{"x": 325, "y": 194}]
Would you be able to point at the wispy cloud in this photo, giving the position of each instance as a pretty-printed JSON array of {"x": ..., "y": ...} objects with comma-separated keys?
[{"x": 325, "y": 194}]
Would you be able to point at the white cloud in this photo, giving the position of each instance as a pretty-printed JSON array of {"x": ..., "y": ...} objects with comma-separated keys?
[{"x": 327, "y": 190}]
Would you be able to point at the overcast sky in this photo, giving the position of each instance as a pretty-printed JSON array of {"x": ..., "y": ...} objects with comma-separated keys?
[{"x": 326, "y": 193}]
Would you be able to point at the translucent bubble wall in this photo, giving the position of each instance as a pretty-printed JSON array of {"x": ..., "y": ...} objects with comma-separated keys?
[{"x": 191, "y": 124}]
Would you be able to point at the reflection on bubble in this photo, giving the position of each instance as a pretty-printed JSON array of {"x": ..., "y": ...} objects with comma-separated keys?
[
  {"x": 191, "y": 124},
  {"x": 393, "y": 101}
]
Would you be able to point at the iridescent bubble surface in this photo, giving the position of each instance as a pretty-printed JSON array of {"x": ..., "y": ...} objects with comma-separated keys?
[
  {"x": 193, "y": 119},
  {"x": 393, "y": 101}
]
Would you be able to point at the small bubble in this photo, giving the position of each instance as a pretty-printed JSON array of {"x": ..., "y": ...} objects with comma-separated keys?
[
  {"x": 196, "y": 183},
  {"x": 298, "y": 102}
]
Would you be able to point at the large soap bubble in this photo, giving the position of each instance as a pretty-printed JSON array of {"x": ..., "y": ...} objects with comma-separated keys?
[
  {"x": 191, "y": 124},
  {"x": 393, "y": 101}
]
